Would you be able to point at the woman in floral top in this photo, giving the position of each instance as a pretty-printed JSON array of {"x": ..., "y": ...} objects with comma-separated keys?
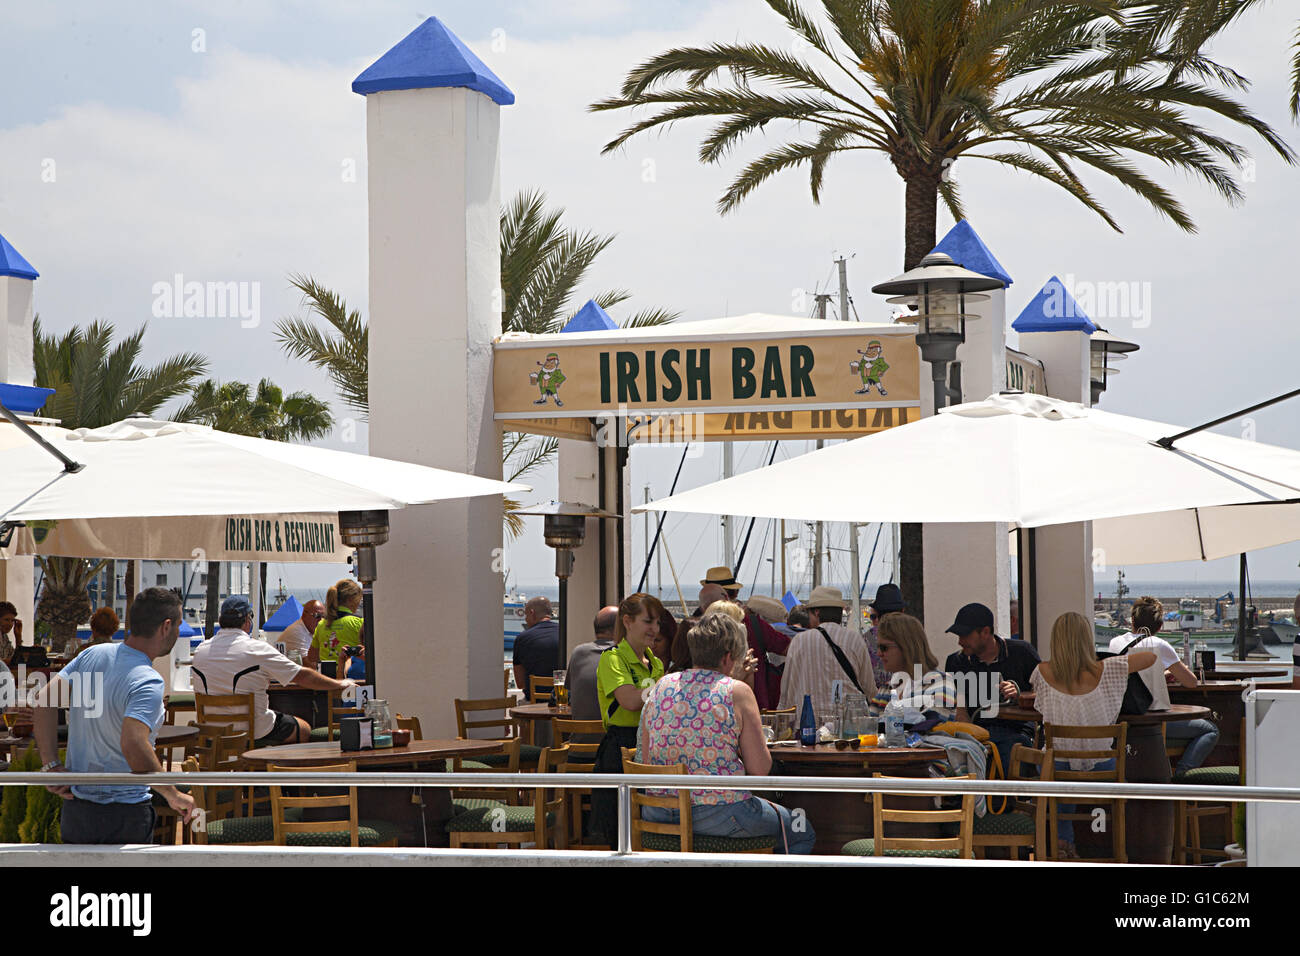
[{"x": 708, "y": 721}]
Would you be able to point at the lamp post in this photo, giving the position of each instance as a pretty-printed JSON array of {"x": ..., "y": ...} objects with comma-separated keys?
[
  {"x": 564, "y": 529},
  {"x": 365, "y": 531},
  {"x": 1103, "y": 348},
  {"x": 939, "y": 290}
]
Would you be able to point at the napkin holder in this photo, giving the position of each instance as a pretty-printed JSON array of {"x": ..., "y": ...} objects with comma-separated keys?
[{"x": 356, "y": 733}]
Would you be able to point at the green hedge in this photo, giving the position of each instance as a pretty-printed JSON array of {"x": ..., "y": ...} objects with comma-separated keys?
[{"x": 29, "y": 814}]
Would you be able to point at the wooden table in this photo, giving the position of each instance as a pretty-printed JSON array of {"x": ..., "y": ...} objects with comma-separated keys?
[
  {"x": 386, "y": 803},
  {"x": 838, "y": 817},
  {"x": 171, "y": 736},
  {"x": 530, "y": 714}
]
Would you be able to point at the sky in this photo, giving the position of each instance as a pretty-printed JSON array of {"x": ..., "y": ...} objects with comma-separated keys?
[{"x": 222, "y": 143}]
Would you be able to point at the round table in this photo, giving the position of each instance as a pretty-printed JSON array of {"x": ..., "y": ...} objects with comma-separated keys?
[
  {"x": 530, "y": 714},
  {"x": 1227, "y": 711},
  {"x": 840, "y": 817}
]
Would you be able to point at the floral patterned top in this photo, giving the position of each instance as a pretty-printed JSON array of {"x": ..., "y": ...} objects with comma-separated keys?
[{"x": 690, "y": 719}]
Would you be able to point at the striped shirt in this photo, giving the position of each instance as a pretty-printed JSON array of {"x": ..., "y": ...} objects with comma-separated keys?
[{"x": 811, "y": 667}]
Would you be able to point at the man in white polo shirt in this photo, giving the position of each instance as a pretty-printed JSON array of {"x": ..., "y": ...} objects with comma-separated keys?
[{"x": 233, "y": 662}]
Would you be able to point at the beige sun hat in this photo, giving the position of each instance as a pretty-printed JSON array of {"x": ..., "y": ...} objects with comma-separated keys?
[
  {"x": 722, "y": 577},
  {"x": 768, "y": 608},
  {"x": 826, "y": 597}
]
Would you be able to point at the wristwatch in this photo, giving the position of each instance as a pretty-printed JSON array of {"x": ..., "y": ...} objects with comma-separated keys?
[{"x": 46, "y": 768}]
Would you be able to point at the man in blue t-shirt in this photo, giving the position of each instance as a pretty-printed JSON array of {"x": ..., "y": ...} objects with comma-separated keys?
[
  {"x": 537, "y": 648},
  {"x": 115, "y": 706}
]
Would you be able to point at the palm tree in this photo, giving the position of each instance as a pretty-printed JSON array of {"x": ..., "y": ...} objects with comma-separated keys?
[
  {"x": 96, "y": 384},
  {"x": 543, "y": 265},
  {"x": 263, "y": 412},
  {"x": 1048, "y": 87},
  {"x": 1180, "y": 29}
]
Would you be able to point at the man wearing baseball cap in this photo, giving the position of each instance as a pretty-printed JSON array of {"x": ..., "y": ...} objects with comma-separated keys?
[
  {"x": 996, "y": 670},
  {"x": 232, "y": 661}
]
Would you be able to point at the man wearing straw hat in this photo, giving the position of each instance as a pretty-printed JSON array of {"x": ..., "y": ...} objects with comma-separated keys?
[
  {"x": 826, "y": 652},
  {"x": 764, "y": 640}
]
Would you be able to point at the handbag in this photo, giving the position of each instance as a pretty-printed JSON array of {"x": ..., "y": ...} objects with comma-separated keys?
[{"x": 1137, "y": 696}]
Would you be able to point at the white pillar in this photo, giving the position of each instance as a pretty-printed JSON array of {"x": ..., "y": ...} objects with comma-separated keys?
[
  {"x": 1064, "y": 552},
  {"x": 578, "y": 469},
  {"x": 17, "y": 288},
  {"x": 433, "y": 122},
  {"x": 968, "y": 562}
]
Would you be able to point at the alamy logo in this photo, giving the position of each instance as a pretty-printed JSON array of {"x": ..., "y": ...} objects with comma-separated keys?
[
  {"x": 208, "y": 300},
  {"x": 76, "y": 909}
]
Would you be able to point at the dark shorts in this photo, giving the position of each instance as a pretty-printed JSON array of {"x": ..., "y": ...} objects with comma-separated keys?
[
  {"x": 285, "y": 727},
  {"x": 83, "y": 821}
]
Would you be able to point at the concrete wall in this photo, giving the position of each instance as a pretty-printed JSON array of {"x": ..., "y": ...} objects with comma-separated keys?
[
  {"x": 17, "y": 576},
  {"x": 434, "y": 195}
]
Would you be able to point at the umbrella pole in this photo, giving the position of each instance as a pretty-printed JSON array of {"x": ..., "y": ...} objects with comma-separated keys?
[
  {"x": 1033, "y": 588},
  {"x": 1241, "y": 609}
]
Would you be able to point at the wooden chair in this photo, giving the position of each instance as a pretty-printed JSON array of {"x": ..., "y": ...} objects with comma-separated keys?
[
  {"x": 1025, "y": 822},
  {"x": 517, "y": 825},
  {"x": 221, "y": 821},
  {"x": 336, "y": 710},
  {"x": 498, "y": 726},
  {"x": 880, "y": 844},
  {"x": 409, "y": 723},
  {"x": 582, "y": 758},
  {"x": 178, "y": 702},
  {"x": 1188, "y": 814},
  {"x": 1118, "y": 734},
  {"x": 350, "y": 832},
  {"x": 231, "y": 710},
  {"x": 539, "y": 689},
  {"x": 679, "y": 837}
]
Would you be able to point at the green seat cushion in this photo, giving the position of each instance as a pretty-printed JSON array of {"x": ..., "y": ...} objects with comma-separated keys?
[
  {"x": 485, "y": 819},
  {"x": 259, "y": 829},
  {"x": 1004, "y": 824},
  {"x": 320, "y": 734},
  {"x": 461, "y": 805},
  {"x": 465, "y": 765},
  {"x": 703, "y": 843},
  {"x": 867, "y": 847},
  {"x": 1211, "y": 776},
  {"x": 527, "y": 754},
  {"x": 369, "y": 833}
]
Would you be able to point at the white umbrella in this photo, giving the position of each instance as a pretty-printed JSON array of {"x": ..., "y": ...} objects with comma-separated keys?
[
  {"x": 1024, "y": 459},
  {"x": 144, "y": 468},
  {"x": 1198, "y": 534}
]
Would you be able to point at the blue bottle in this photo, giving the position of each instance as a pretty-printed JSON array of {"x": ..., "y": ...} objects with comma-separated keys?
[{"x": 807, "y": 723}]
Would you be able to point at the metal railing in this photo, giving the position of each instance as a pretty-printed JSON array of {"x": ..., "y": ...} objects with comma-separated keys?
[{"x": 1077, "y": 792}]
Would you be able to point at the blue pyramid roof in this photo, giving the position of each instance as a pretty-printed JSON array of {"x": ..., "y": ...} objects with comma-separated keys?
[
  {"x": 12, "y": 262},
  {"x": 1053, "y": 310},
  {"x": 288, "y": 612},
  {"x": 431, "y": 56},
  {"x": 590, "y": 318},
  {"x": 967, "y": 249}
]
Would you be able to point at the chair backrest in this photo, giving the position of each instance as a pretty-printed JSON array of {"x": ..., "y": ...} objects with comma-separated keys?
[
  {"x": 1116, "y": 734},
  {"x": 511, "y": 748},
  {"x": 338, "y": 709},
  {"x": 564, "y": 730},
  {"x": 778, "y": 710},
  {"x": 964, "y": 817},
  {"x": 1045, "y": 763},
  {"x": 505, "y": 725},
  {"x": 539, "y": 689},
  {"x": 410, "y": 723},
  {"x": 280, "y": 802},
  {"x": 680, "y": 801},
  {"x": 231, "y": 710}
]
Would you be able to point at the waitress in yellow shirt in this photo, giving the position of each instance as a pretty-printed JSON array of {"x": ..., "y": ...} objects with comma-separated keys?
[{"x": 341, "y": 626}]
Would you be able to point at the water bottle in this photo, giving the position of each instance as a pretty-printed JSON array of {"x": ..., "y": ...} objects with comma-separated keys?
[
  {"x": 807, "y": 723},
  {"x": 894, "y": 721}
]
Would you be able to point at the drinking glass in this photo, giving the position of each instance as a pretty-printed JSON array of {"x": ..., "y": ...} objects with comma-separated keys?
[{"x": 561, "y": 690}]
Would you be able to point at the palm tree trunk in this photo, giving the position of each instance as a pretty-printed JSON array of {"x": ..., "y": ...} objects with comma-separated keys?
[
  {"x": 130, "y": 594},
  {"x": 920, "y": 236},
  {"x": 214, "y": 598}
]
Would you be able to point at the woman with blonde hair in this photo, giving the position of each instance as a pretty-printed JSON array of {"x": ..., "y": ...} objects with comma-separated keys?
[
  {"x": 1075, "y": 689},
  {"x": 341, "y": 626},
  {"x": 913, "y": 669}
]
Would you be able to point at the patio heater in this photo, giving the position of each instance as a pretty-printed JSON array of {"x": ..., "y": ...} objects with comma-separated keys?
[
  {"x": 564, "y": 529},
  {"x": 1103, "y": 348},
  {"x": 939, "y": 290},
  {"x": 365, "y": 531}
]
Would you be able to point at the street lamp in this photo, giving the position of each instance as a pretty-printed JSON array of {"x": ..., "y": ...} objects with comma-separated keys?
[
  {"x": 939, "y": 290},
  {"x": 1104, "y": 348},
  {"x": 365, "y": 531},
  {"x": 564, "y": 529}
]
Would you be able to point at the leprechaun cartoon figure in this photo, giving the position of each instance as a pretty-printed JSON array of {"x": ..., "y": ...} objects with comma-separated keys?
[
  {"x": 548, "y": 380},
  {"x": 872, "y": 367}
]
